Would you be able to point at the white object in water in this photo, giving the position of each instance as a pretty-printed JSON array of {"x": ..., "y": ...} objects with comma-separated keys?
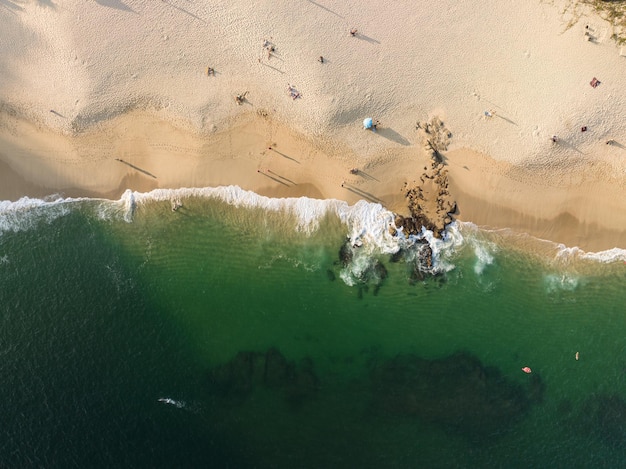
[{"x": 167, "y": 400}]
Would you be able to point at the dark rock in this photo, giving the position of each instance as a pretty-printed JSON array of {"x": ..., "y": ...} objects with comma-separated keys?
[
  {"x": 345, "y": 253},
  {"x": 397, "y": 256},
  {"x": 604, "y": 417},
  {"x": 278, "y": 371},
  {"x": 305, "y": 384},
  {"x": 536, "y": 388},
  {"x": 379, "y": 270},
  {"x": 235, "y": 380},
  {"x": 456, "y": 392}
]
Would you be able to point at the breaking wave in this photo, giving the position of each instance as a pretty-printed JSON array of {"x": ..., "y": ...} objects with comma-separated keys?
[{"x": 371, "y": 230}]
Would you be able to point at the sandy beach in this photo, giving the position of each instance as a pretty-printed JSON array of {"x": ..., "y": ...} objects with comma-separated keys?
[{"x": 100, "y": 97}]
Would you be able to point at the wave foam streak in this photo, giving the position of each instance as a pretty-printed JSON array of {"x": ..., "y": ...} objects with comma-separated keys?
[{"x": 26, "y": 213}]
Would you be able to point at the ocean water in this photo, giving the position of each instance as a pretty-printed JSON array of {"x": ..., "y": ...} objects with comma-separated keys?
[{"x": 240, "y": 331}]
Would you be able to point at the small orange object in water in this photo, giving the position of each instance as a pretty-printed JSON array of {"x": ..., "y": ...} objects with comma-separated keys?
[{"x": 527, "y": 370}]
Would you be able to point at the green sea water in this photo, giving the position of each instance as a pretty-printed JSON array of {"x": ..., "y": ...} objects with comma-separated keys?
[{"x": 229, "y": 333}]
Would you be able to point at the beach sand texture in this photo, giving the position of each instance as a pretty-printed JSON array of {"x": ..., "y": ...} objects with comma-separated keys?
[{"x": 84, "y": 85}]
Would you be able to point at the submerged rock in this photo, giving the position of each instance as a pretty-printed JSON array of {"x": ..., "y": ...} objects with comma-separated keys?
[
  {"x": 604, "y": 417},
  {"x": 456, "y": 392},
  {"x": 238, "y": 378},
  {"x": 345, "y": 253}
]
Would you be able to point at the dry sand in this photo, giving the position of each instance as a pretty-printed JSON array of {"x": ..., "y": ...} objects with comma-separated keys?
[{"x": 102, "y": 96}]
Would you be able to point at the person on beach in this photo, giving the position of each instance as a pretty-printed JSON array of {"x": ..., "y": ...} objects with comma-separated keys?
[
  {"x": 554, "y": 139},
  {"x": 353, "y": 32},
  {"x": 321, "y": 59},
  {"x": 240, "y": 98},
  {"x": 294, "y": 93}
]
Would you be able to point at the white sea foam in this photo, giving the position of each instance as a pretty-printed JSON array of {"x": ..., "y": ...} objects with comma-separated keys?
[
  {"x": 26, "y": 213},
  {"x": 368, "y": 223},
  {"x": 608, "y": 256},
  {"x": 484, "y": 257},
  {"x": 561, "y": 252},
  {"x": 561, "y": 282},
  {"x": 175, "y": 403},
  {"x": 443, "y": 249}
]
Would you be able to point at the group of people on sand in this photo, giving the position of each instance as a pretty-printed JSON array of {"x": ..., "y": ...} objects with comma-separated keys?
[{"x": 271, "y": 49}]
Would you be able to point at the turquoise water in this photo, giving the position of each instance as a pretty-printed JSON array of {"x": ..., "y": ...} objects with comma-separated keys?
[{"x": 229, "y": 333}]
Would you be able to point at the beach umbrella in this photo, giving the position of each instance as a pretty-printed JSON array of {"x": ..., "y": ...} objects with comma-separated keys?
[{"x": 368, "y": 123}]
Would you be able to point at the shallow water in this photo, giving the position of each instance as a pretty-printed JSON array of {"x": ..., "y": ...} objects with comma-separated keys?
[{"x": 120, "y": 319}]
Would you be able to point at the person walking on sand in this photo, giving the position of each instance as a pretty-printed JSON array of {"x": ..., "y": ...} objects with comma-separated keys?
[
  {"x": 554, "y": 139},
  {"x": 353, "y": 32}
]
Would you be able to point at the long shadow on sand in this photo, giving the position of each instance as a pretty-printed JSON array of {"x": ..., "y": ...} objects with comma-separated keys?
[
  {"x": 117, "y": 4},
  {"x": 147, "y": 173},
  {"x": 506, "y": 119},
  {"x": 324, "y": 8},
  {"x": 364, "y": 175},
  {"x": 11, "y": 6},
  {"x": 365, "y": 195},
  {"x": 275, "y": 179},
  {"x": 367, "y": 38},
  {"x": 184, "y": 11},
  {"x": 283, "y": 155},
  {"x": 392, "y": 135},
  {"x": 567, "y": 144}
]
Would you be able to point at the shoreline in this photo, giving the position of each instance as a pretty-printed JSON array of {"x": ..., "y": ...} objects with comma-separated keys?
[
  {"x": 499, "y": 110},
  {"x": 141, "y": 152}
]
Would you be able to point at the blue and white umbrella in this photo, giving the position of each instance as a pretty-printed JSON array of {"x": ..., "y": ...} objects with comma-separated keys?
[{"x": 368, "y": 123}]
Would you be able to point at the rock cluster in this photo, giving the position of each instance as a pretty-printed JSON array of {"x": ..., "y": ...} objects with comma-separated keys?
[
  {"x": 372, "y": 272},
  {"x": 456, "y": 392},
  {"x": 429, "y": 201},
  {"x": 603, "y": 416},
  {"x": 237, "y": 379}
]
